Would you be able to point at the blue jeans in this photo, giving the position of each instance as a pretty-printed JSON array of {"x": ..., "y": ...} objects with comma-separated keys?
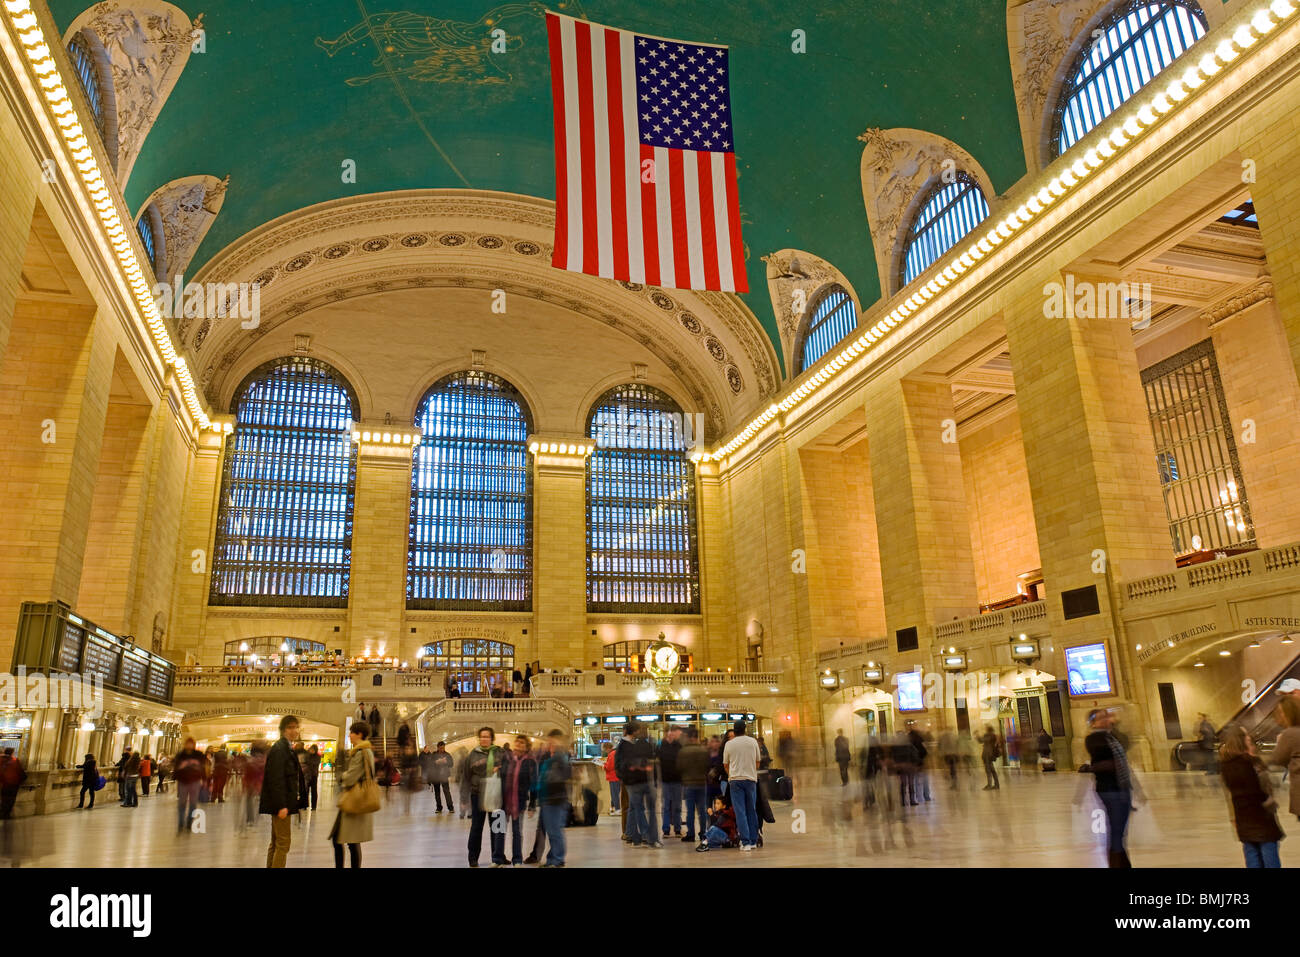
[
  {"x": 696, "y": 800},
  {"x": 554, "y": 817},
  {"x": 132, "y": 798},
  {"x": 613, "y": 795},
  {"x": 187, "y": 802},
  {"x": 1118, "y": 804},
  {"x": 639, "y": 828},
  {"x": 1261, "y": 855},
  {"x": 672, "y": 806},
  {"x": 517, "y": 838},
  {"x": 715, "y": 837},
  {"x": 744, "y": 801}
]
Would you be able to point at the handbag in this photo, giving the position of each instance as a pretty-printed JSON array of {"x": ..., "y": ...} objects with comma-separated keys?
[
  {"x": 362, "y": 797},
  {"x": 489, "y": 798},
  {"x": 100, "y": 782}
]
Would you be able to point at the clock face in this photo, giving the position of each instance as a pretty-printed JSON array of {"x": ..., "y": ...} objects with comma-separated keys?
[{"x": 665, "y": 659}]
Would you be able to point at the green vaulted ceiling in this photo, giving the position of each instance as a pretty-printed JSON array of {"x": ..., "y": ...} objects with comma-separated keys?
[{"x": 268, "y": 104}]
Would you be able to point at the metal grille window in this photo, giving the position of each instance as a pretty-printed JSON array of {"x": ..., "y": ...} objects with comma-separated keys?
[
  {"x": 83, "y": 64},
  {"x": 1129, "y": 49},
  {"x": 284, "y": 527},
  {"x": 145, "y": 228},
  {"x": 1243, "y": 215},
  {"x": 949, "y": 212},
  {"x": 833, "y": 318},
  {"x": 471, "y": 536},
  {"x": 641, "y": 535},
  {"x": 1196, "y": 455}
]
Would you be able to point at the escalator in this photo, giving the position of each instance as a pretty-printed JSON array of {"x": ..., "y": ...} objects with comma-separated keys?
[{"x": 1258, "y": 718}]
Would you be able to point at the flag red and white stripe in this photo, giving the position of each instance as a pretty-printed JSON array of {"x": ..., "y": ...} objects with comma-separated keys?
[{"x": 627, "y": 206}]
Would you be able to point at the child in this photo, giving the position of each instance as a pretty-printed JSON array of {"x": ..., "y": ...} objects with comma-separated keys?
[{"x": 722, "y": 827}]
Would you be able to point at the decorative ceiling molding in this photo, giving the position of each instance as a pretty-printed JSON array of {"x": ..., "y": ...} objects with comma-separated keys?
[
  {"x": 790, "y": 271},
  {"x": 1238, "y": 303},
  {"x": 898, "y": 168},
  {"x": 187, "y": 207},
  {"x": 1043, "y": 38},
  {"x": 148, "y": 43},
  {"x": 479, "y": 239}
]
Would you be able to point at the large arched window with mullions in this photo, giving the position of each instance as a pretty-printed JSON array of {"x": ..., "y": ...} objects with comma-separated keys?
[
  {"x": 90, "y": 66},
  {"x": 1129, "y": 48},
  {"x": 832, "y": 317},
  {"x": 471, "y": 535},
  {"x": 949, "y": 211},
  {"x": 284, "y": 525},
  {"x": 642, "y": 554}
]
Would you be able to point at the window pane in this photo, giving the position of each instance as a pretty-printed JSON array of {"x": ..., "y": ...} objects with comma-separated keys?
[
  {"x": 641, "y": 535},
  {"x": 833, "y": 318},
  {"x": 1132, "y": 46},
  {"x": 951, "y": 211},
  {"x": 284, "y": 527},
  {"x": 1196, "y": 455},
  {"x": 471, "y": 542}
]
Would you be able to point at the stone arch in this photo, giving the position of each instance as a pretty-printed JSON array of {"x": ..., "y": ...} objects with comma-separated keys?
[
  {"x": 899, "y": 166},
  {"x": 147, "y": 45},
  {"x": 1043, "y": 38},
  {"x": 186, "y": 209},
  {"x": 794, "y": 270}
]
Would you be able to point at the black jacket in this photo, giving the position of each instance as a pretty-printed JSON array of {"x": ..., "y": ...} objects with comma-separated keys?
[
  {"x": 634, "y": 761},
  {"x": 669, "y": 772},
  {"x": 284, "y": 785},
  {"x": 693, "y": 763}
]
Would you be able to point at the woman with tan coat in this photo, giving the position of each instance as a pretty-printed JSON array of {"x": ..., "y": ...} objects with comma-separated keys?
[
  {"x": 354, "y": 829},
  {"x": 1287, "y": 752}
]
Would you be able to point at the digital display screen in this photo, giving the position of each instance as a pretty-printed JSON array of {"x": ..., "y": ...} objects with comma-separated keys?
[
  {"x": 1088, "y": 669},
  {"x": 909, "y": 691}
]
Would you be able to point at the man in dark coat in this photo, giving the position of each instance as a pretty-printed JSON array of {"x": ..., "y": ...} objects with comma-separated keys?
[{"x": 283, "y": 791}]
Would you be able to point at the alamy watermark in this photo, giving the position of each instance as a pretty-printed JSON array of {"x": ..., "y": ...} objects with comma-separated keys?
[
  {"x": 628, "y": 429},
  {"x": 210, "y": 300},
  {"x": 23, "y": 692},
  {"x": 1084, "y": 299}
]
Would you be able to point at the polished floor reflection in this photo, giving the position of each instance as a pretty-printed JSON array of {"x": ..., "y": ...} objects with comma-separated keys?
[{"x": 1032, "y": 821}]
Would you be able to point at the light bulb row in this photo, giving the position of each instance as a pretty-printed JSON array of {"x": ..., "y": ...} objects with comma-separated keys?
[
  {"x": 51, "y": 85},
  {"x": 562, "y": 448},
  {"x": 386, "y": 438},
  {"x": 1139, "y": 119}
]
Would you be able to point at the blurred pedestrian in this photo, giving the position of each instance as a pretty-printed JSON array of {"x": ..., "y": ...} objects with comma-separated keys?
[
  {"x": 554, "y": 776},
  {"x": 670, "y": 779},
  {"x": 12, "y": 776},
  {"x": 353, "y": 830},
  {"x": 990, "y": 751},
  {"x": 520, "y": 793},
  {"x": 441, "y": 764},
  {"x": 1250, "y": 790},
  {"x": 693, "y": 763},
  {"x": 843, "y": 757},
  {"x": 1116, "y": 786},
  {"x": 89, "y": 781},
  {"x": 1286, "y": 753},
  {"x": 189, "y": 768}
]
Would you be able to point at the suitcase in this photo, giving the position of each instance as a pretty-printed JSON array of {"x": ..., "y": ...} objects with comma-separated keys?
[
  {"x": 782, "y": 789},
  {"x": 1047, "y": 764}
]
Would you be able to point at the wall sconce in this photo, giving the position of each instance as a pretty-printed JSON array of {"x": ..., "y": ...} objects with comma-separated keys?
[{"x": 1025, "y": 650}]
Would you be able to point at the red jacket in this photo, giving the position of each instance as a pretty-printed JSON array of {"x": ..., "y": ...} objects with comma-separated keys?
[{"x": 610, "y": 773}]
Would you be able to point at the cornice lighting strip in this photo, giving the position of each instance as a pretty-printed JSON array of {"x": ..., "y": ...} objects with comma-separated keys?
[
  {"x": 386, "y": 438},
  {"x": 34, "y": 44},
  {"x": 1138, "y": 119},
  {"x": 562, "y": 448}
]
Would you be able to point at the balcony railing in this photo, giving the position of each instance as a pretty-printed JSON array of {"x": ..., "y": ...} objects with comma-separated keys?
[
  {"x": 1251, "y": 566},
  {"x": 394, "y": 682},
  {"x": 450, "y": 708},
  {"x": 613, "y": 683},
  {"x": 1007, "y": 621}
]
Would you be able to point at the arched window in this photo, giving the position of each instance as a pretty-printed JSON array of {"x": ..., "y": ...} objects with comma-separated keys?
[
  {"x": 284, "y": 526},
  {"x": 641, "y": 535},
  {"x": 833, "y": 317},
  {"x": 1129, "y": 48},
  {"x": 87, "y": 71},
  {"x": 949, "y": 212},
  {"x": 471, "y": 534}
]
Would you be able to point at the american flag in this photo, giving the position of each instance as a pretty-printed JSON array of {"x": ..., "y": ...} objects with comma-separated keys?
[{"x": 645, "y": 162}]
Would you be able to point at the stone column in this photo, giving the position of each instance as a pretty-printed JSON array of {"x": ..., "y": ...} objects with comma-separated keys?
[
  {"x": 562, "y": 637},
  {"x": 1098, "y": 508},
  {"x": 722, "y": 641},
  {"x": 185, "y": 631},
  {"x": 381, "y": 520},
  {"x": 1276, "y": 194},
  {"x": 926, "y": 565}
]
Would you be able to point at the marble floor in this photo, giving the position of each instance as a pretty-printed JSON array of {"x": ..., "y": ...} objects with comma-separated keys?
[{"x": 1032, "y": 821}]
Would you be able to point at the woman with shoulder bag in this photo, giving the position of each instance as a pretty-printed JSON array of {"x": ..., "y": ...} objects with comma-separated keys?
[{"x": 359, "y": 798}]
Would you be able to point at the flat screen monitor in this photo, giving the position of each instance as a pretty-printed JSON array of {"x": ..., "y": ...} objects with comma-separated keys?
[
  {"x": 1088, "y": 668},
  {"x": 909, "y": 691}
]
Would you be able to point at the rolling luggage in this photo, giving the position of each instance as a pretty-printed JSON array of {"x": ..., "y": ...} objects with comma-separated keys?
[{"x": 782, "y": 789}]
